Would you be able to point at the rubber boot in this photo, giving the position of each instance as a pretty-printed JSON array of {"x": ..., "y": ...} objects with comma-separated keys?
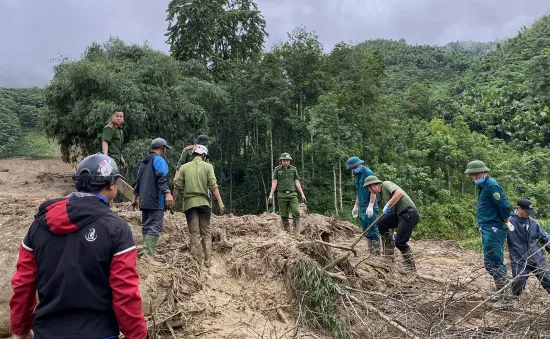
[
  {"x": 374, "y": 247},
  {"x": 296, "y": 224},
  {"x": 207, "y": 247},
  {"x": 150, "y": 244},
  {"x": 196, "y": 252},
  {"x": 286, "y": 225},
  {"x": 503, "y": 295},
  {"x": 389, "y": 246},
  {"x": 408, "y": 260}
]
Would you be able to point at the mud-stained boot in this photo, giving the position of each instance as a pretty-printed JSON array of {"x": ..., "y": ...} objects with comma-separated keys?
[
  {"x": 296, "y": 224},
  {"x": 207, "y": 246},
  {"x": 196, "y": 252},
  {"x": 503, "y": 296},
  {"x": 374, "y": 246},
  {"x": 389, "y": 247},
  {"x": 408, "y": 260},
  {"x": 286, "y": 225}
]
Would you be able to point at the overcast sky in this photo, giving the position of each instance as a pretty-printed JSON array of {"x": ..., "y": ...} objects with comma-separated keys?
[{"x": 34, "y": 32}]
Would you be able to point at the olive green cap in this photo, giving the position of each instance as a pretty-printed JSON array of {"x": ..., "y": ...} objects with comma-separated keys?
[
  {"x": 285, "y": 156},
  {"x": 370, "y": 180},
  {"x": 476, "y": 166}
]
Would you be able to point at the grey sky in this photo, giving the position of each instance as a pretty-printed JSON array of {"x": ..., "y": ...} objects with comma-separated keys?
[{"x": 33, "y": 32}]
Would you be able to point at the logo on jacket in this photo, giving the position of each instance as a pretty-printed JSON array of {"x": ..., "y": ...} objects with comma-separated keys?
[
  {"x": 91, "y": 236},
  {"x": 105, "y": 168},
  {"x": 496, "y": 195},
  {"x": 495, "y": 229}
]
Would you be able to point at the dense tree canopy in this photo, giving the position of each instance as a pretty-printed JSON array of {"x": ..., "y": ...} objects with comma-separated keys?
[{"x": 415, "y": 114}]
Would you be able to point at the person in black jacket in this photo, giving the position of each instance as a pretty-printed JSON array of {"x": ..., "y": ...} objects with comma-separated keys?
[
  {"x": 81, "y": 258},
  {"x": 524, "y": 244},
  {"x": 154, "y": 194}
]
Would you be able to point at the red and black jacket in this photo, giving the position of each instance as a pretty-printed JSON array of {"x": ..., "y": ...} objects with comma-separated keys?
[{"x": 81, "y": 258}]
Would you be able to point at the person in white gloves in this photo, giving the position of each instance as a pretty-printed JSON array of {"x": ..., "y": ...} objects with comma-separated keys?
[{"x": 365, "y": 203}]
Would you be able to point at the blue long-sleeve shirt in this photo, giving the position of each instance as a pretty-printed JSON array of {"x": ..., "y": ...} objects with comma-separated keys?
[
  {"x": 363, "y": 193},
  {"x": 492, "y": 205},
  {"x": 152, "y": 182}
]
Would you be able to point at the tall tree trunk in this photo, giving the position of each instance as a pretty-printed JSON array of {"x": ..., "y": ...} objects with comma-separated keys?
[
  {"x": 340, "y": 182},
  {"x": 335, "y": 190},
  {"x": 271, "y": 145},
  {"x": 449, "y": 178},
  {"x": 463, "y": 182},
  {"x": 302, "y": 137},
  {"x": 231, "y": 183},
  {"x": 311, "y": 153}
]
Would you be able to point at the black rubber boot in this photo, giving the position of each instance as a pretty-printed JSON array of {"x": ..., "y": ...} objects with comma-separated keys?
[{"x": 408, "y": 260}]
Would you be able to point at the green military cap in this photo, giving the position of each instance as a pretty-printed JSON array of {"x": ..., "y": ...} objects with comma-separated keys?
[
  {"x": 476, "y": 166},
  {"x": 370, "y": 180},
  {"x": 285, "y": 156}
]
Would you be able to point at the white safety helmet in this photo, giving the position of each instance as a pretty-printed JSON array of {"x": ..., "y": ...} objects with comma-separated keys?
[{"x": 200, "y": 149}]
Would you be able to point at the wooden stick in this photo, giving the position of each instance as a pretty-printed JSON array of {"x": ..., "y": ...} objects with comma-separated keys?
[
  {"x": 384, "y": 317},
  {"x": 282, "y": 316},
  {"x": 346, "y": 255},
  {"x": 337, "y": 246}
]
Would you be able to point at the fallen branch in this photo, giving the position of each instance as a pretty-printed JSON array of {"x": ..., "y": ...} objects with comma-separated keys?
[
  {"x": 346, "y": 255},
  {"x": 337, "y": 246},
  {"x": 282, "y": 316},
  {"x": 387, "y": 319},
  {"x": 339, "y": 276},
  {"x": 163, "y": 321}
]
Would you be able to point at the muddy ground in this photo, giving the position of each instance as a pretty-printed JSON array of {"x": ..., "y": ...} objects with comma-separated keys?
[{"x": 249, "y": 293}]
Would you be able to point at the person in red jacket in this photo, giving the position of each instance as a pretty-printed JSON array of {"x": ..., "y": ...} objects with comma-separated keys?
[{"x": 81, "y": 258}]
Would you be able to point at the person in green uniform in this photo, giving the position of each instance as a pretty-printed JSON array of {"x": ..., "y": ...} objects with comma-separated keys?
[
  {"x": 287, "y": 182},
  {"x": 196, "y": 178},
  {"x": 493, "y": 213},
  {"x": 187, "y": 153},
  {"x": 399, "y": 212},
  {"x": 112, "y": 138}
]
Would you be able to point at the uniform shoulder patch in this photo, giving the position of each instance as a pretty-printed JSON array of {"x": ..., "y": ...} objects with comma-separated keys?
[
  {"x": 496, "y": 195},
  {"x": 292, "y": 166},
  {"x": 278, "y": 167},
  {"x": 110, "y": 126}
]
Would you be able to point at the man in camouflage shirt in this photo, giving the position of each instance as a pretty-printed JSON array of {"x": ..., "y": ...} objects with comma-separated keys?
[{"x": 287, "y": 182}]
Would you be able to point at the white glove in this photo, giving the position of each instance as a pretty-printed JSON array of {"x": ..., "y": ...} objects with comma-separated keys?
[
  {"x": 355, "y": 211},
  {"x": 370, "y": 210},
  {"x": 511, "y": 227}
]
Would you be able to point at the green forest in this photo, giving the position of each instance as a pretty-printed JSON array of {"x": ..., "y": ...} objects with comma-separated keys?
[{"x": 415, "y": 113}]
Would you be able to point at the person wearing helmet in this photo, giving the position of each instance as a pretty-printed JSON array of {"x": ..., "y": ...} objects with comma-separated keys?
[
  {"x": 287, "y": 181},
  {"x": 365, "y": 202},
  {"x": 399, "y": 212},
  {"x": 525, "y": 244},
  {"x": 112, "y": 138},
  {"x": 154, "y": 194},
  {"x": 493, "y": 213},
  {"x": 81, "y": 258},
  {"x": 187, "y": 153},
  {"x": 195, "y": 180}
]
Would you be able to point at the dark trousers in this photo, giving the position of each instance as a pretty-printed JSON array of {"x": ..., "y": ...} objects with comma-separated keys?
[
  {"x": 152, "y": 221},
  {"x": 521, "y": 270},
  {"x": 404, "y": 222}
]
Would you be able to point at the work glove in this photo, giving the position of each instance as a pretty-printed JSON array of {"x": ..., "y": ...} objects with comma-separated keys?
[
  {"x": 370, "y": 210},
  {"x": 387, "y": 210},
  {"x": 355, "y": 211},
  {"x": 511, "y": 227}
]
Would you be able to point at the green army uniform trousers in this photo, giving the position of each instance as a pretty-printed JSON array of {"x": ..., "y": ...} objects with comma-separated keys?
[{"x": 288, "y": 204}]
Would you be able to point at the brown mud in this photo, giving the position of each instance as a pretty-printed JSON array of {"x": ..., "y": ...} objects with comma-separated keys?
[{"x": 248, "y": 292}]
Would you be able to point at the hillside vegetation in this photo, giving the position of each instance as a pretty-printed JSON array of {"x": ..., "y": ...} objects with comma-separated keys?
[{"x": 415, "y": 114}]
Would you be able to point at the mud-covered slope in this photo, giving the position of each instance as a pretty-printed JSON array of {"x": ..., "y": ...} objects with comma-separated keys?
[{"x": 263, "y": 279}]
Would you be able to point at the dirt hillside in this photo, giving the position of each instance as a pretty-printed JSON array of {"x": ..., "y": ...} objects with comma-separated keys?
[{"x": 266, "y": 283}]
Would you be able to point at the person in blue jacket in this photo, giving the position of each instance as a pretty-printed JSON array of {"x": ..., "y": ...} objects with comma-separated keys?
[
  {"x": 524, "y": 244},
  {"x": 154, "y": 194},
  {"x": 365, "y": 203},
  {"x": 493, "y": 212}
]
